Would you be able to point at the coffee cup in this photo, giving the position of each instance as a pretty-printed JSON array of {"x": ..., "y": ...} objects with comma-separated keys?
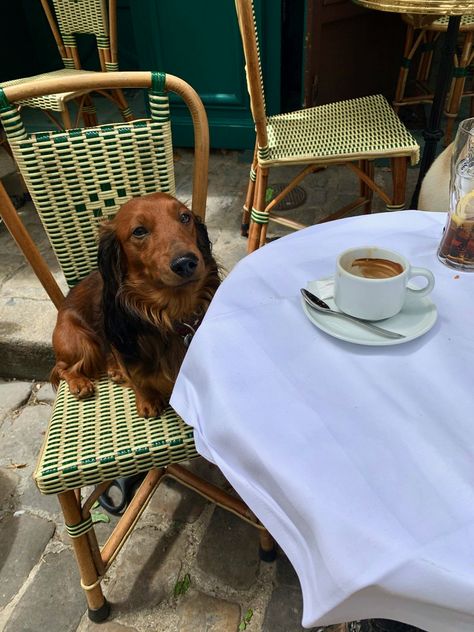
[{"x": 371, "y": 282}]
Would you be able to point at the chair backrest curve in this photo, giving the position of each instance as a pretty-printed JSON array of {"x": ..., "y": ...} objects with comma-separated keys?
[{"x": 78, "y": 177}]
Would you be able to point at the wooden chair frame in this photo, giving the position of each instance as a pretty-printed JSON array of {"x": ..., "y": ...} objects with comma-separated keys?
[
  {"x": 65, "y": 21},
  {"x": 256, "y": 209},
  {"x": 422, "y": 37},
  {"x": 92, "y": 561}
]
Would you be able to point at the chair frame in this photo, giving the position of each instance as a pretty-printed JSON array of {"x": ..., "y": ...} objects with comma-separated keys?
[
  {"x": 62, "y": 26},
  {"x": 92, "y": 561},
  {"x": 425, "y": 33},
  {"x": 255, "y": 206}
]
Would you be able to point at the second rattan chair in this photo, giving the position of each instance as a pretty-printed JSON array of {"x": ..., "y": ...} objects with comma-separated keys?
[
  {"x": 76, "y": 178},
  {"x": 83, "y": 17},
  {"x": 352, "y": 133},
  {"x": 422, "y": 34}
]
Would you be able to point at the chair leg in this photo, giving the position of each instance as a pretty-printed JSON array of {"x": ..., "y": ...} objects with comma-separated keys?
[
  {"x": 124, "y": 108},
  {"x": 460, "y": 72},
  {"x": 244, "y": 226},
  {"x": 258, "y": 217},
  {"x": 98, "y": 608},
  {"x": 426, "y": 57},
  {"x": 399, "y": 181},
  {"x": 367, "y": 166},
  {"x": 267, "y": 548},
  {"x": 89, "y": 112},
  {"x": 404, "y": 68},
  {"x": 66, "y": 118}
]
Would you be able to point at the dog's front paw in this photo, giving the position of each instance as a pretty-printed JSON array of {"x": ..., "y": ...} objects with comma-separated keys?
[
  {"x": 147, "y": 408},
  {"x": 117, "y": 376},
  {"x": 81, "y": 387}
]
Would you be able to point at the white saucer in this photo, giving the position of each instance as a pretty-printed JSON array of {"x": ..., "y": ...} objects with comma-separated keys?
[{"x": 416, "y": 318}]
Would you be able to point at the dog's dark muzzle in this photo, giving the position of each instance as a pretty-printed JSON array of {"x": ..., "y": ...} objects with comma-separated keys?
[{"x": 185, "y": 265}]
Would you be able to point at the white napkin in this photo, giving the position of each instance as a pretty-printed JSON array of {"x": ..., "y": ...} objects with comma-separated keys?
[{"x": 323, "y": 288}]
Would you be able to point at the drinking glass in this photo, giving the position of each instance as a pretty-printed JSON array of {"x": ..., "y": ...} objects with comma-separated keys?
[{"x": 457, "y": 244}]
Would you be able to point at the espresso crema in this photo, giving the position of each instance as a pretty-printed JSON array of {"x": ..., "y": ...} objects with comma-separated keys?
[{"x": 373, "y": 268}]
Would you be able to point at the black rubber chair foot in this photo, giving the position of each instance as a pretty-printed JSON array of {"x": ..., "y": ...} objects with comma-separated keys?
[
  {"x": 101, "y": 614},
  {"x": 126, "y": 488},
  {"x": 267, "y": 555},
  {"x": 244, "y": 230}
]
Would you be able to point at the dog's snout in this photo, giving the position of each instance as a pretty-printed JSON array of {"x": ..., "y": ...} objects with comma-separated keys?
[{"x": 184, "y": 265}]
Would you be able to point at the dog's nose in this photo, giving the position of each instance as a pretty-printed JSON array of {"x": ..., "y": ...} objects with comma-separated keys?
[{"x": 184, "y": 265}]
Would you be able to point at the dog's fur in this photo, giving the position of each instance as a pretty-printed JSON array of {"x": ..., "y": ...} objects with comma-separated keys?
[
  {"x": 155, "y": 280},
  {"x": 434, "y": 191}
]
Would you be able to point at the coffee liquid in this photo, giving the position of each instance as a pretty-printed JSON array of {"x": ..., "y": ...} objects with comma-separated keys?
[{"x": 373, "y": 268}]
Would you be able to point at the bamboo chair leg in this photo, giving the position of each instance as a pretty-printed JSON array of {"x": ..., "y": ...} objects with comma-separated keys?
[
  {"x": 90, "y": 114},
  {"x": 404, "y": 69},
  {"x": 123, "y": 105},
  {"x": 98, "y": 607},
  {"x": 367, "y": 166},
  {"x": 244, "y": 227},
  {"x": 258, "y": 229},
  {"x": 399, "y": 180},
  {"x": 424, "y": 63},
  {"x": 454, "y": 103},
  {"x": 267, "y": 546},
  {"x": 66, "y": 118}
]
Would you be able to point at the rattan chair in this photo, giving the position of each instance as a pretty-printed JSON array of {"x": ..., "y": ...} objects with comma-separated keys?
[
  {"x": 84, "y": 17},
  {"x": 422, "y": 34},
  {"x": 353, "y": 133},
  {"x": 76, "y": 178}
]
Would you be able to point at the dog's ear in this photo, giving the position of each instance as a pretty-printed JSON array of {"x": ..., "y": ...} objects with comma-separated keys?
[
  {"x": 203, "y": 242},
  {"x": 110, "y": 261}
]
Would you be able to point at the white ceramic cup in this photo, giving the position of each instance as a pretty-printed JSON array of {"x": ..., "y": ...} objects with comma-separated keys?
[{"x": 375, "y": 299}]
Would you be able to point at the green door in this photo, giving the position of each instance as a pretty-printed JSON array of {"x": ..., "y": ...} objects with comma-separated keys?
[{"x": 200, "y": 42}]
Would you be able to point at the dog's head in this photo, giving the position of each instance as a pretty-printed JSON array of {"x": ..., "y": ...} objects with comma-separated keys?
[{"x": 154, "y": 242}]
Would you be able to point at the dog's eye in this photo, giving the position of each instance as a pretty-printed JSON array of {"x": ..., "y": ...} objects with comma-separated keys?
[
  {"x": 140, "y": 231},
  {"x": 185, "y": 218}
]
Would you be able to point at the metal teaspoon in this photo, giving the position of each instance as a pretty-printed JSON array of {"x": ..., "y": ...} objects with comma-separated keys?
[{"x": 320, "y": 306}]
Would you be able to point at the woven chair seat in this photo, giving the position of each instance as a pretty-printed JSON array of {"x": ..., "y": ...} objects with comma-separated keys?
[
  {"x": 102, "y": 438},
  {"x": 349, "y": 130},
  {"x": 56, "y": 102},
  {"x": 441, "y": 23}
]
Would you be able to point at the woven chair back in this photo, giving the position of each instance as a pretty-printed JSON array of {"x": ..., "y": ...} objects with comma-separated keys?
[
  {"x": 79, "y": 177},
  {"x": 84, "y": 17},
  {"x": 253, "y": 67}
]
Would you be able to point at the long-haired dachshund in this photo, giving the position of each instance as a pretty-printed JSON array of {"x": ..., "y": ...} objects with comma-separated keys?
[{"x": 133, "y": 316}]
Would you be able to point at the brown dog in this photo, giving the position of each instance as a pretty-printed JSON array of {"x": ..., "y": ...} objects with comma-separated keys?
[{"x": 132, "y": 317}]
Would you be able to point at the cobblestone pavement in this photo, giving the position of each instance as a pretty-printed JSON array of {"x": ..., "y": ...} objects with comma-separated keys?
[{"x": 188, "y": 566}]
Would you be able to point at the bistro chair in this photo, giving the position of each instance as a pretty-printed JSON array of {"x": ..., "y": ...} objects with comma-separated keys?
[
  {"x": 76, "y": 178},
  {"x": 422, "y": 34},
  {"x": 353, "y": 133},
  {"x": 84, "y": 17}
]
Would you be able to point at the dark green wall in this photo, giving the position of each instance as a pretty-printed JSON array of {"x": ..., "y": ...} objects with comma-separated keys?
[{"x": 200, "y": 42}]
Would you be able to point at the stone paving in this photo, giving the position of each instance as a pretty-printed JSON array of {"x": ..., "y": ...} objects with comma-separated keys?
[{"x": 188, "y": 566}]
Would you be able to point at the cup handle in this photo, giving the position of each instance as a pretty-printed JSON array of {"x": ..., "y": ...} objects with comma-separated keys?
[{"x": 414, "y": 272}]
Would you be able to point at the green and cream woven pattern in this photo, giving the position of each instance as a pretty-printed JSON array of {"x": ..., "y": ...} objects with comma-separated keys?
[
  {"x": 79, "y": 177},
  {"x": 85, "y": 17},
  {"x": 102, "y": 438},
  {"x": 55, "y": 102},
  {"x": 82, "y": 16},
  {"x": 358, "y": 130}
]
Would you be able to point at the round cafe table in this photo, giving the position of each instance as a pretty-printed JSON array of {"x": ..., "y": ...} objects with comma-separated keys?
[{"x": 359, "y": 459}]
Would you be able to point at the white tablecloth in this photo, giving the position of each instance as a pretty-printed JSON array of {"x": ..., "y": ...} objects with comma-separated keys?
[{"x": 359, "y": 460}]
